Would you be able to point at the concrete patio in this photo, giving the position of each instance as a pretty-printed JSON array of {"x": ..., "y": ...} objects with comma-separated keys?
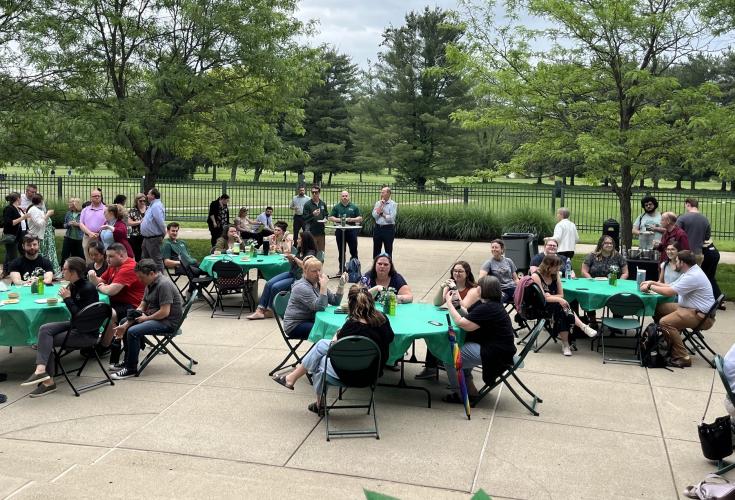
[{"x": 604, "y": 431}]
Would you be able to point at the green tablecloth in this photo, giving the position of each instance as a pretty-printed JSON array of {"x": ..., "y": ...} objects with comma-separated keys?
[
  {"x": 592, "y": 294},
  {"x": 269, "y": 265},
  {"x": 19, "y": 323},
  {"x": 411, "y": 322}
]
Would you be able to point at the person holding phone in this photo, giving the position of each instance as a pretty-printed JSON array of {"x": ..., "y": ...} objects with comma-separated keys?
[{"x": 384, "y": 213}]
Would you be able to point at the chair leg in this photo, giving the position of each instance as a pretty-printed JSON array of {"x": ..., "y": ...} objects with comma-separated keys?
[
  {"x": 534, "y": 396},
  {"x": 531, "y": 408},
  {"x": 102, "y": 367},
  {"x": 59, "y": 364}
]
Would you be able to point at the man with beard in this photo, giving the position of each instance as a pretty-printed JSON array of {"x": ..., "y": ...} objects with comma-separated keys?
[
  {"x": 22, "y": 268},
  {"x": 649, "y": 220}
]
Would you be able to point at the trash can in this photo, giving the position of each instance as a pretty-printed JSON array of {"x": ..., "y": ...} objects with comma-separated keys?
[
  {"x": 519, "y": 247},
  {"x": 611, "y": 227}
]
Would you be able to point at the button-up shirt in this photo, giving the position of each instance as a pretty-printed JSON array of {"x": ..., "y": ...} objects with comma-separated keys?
[
  {"x": 154, "y": 220},
  {"x": 266, "y": 220},
  {"x": 297, "y": 204},
  {"x": 388, "y": 217},
  {"x": 93, "y": 217}
]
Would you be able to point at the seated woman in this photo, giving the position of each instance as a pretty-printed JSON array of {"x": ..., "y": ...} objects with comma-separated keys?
[
  {"x": 383, "y": 275},
  {"x": 502, "y": 268},
  {"x": 96, "y": 252},
  {"x": 598, "y": 263},
  {"x": 245, "y": 225},
  {"x": 309, "y": 295},
  {"x": 489, "y": 342},
  {"x": 668, "y": 273},
  {"x": 79, "y": 294},
  {"x": 281, "y": 240},
  {"x": 462, "y": 280},
  {"x": 363, "y": 321},
  {"x": 227, "y": 241},
  {"x": 562, "y": 316},
  {"x": 280, "y": 282}
]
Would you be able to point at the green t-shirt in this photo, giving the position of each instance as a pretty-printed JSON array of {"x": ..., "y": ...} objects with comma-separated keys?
[
  {"x": 176, "y": 250},
  {"x": 348, "y": 211}
]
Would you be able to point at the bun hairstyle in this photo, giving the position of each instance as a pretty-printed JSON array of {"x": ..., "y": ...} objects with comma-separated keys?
[
  {"x": 12, "y": 197},
  {"x": 361, "y": 306}
]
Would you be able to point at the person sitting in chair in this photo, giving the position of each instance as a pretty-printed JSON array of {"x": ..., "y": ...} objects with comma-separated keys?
[
  {"x": 364, "y": 321},
  {"x": 176, "y": 254},
  {"x": 79, "y": 294},
  {"x": 383, "y": 275},
  {"x": 22, "y": 268},
  {"x": 227, "y": 241},
  {"x": 502, "y": 268},
  {"x": 490, "y": 341}
]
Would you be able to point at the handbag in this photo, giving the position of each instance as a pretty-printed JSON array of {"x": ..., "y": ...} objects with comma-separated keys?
[
  {"x": 715, "y": 438},
  {"x": 714, "y": 487}
]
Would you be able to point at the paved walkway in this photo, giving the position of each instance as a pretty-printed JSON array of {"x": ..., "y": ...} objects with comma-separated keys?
[{"x": 605, "y": 431}]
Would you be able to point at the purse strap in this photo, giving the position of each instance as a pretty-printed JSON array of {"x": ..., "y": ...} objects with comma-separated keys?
[{"x": 709, "y": 398}]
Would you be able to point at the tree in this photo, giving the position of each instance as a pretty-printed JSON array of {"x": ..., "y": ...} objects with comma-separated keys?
[{"x": 599, "y": 94}]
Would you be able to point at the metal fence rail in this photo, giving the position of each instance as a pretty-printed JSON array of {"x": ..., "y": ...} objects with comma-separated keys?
[{"x": 188, "y": 200}]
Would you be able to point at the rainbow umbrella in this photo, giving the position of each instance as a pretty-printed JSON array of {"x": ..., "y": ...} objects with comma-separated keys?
[{"x": 457, "y": 357}]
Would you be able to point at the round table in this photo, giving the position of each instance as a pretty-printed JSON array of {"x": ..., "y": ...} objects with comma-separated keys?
[
  {"x": 592, "y": 293},
  {"x": 19, "y": 323},
  {"x": 268, "y": 265},
  {"x": 410, "y": 322}
]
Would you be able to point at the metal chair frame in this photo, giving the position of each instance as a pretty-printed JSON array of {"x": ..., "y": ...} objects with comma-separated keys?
[
  {"x": 694, "y": 339},
  {"x": 622, "y": 305},
  {"x": 280, "y": 302},
  {"x": 225, "y": 269}
]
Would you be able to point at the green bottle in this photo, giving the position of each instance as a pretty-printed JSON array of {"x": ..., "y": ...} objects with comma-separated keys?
[{"x": 41, "y": 286}]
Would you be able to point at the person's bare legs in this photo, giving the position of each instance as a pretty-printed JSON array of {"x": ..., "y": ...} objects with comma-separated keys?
[
  {"x": 109, "y": 331},
  {"x": 295, "y": 374}
]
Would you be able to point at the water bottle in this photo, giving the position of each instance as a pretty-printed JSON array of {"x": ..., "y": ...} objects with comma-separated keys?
[
  {"x": 41, "y": 286},
  {"x": 34, "y": 286},
  {"x": 392, "y": 301},
  {"x": 568, "y": 269},
  {"x": 236, "y": 248},
  {"x": 640, "y": 277},
  {"x": 344, "y": 220}
]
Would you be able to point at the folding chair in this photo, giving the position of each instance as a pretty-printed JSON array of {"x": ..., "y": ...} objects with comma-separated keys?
[
  {"x": 202, "y": 284},
  {"x": 175, "y": 277},
  {"x": 723, "y": 466},
  {"x": 693, "y": 339},
  {"x": 511, "y": 372},
  {"x": 84, "y": 331},
  {"x": 533, "y": 308},
  {"x": 616, "y": 317},
  {"x": 280, "y": 301},
  {"x": 356, "y": 361},
  {"x": 162, "y": 343},
  {"x": 229, "y": 279}
]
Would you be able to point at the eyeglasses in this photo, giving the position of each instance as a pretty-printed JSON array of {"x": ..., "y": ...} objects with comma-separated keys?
[{"x": 315, "y": 192}]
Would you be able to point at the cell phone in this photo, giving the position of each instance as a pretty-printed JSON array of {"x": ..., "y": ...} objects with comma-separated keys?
[
  {"x": 258, "y": 260},
  {"x": 435, "y": 323}
]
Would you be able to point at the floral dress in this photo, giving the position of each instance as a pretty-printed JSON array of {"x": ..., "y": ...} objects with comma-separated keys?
[{"x": 48, "y": 246}]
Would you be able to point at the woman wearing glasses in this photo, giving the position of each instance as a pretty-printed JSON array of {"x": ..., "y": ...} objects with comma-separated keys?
[{"x": 135, "y": 217}]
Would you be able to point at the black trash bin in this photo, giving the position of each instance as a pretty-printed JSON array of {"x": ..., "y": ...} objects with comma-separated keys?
[
  {"x": 520, "y": 248},
  {"x": 611, "y": 227}
]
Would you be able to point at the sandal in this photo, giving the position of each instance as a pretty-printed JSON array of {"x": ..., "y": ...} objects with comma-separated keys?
[
  {"x": 316, "y": 409},
  {"x": 281, "y": 379},
  {"x": 454, "y": 398}
]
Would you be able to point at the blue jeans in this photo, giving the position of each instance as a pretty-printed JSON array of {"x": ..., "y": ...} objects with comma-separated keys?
[
  {"x": 133, "y": 339},
  {"x": 301, "y": 331},
  {"x": 313, "y": 362},
  {"x": 272, "y": 288}
]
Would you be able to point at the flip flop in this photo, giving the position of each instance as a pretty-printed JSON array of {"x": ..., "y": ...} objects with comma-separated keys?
[
  {"x": 281, "y": 379},
  {"x": 316, "y": 409}
]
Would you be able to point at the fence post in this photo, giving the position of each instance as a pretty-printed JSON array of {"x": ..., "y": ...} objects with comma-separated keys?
[
  {"x": 142, "y": 184},
  {"x": 466, "y": 195},
  {"x": 59, "y": 190},
  {"x": 224, "y": 187},
  {"x": 553, "y": 202}
]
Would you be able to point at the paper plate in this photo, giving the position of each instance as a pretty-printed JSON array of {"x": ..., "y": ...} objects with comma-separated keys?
[
  {"x": 11, "y": 301},
  {"x": 41, "y": 301}
]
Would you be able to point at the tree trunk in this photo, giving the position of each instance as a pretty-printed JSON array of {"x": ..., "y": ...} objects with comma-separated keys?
[
  {"x": 421, "y": 183},
  {"x": 206, "y": 168},
  {"x": 571, "y": 180},
  {"x": 538, "y": 180},
  {"x": 678, "y": 184},
  {"x": 317, "y": 178},
  {"x": 214, "y": 172},
  {"x": 151, "y": 176},
  {"x": 723, "y": 186},
  {"x": 360, "y": 176},
  {"x": 642, "y": 183},
  {"x": 329, "y": 179},
  {"x": 233, "y": 173},
  {"x": 732, "y": 186},
  {"x": 655, "y": 183},
  {"x": 624, "y": 192},
  {"x": 692, "y": 184},
  {"x": 564, "y": 180}
]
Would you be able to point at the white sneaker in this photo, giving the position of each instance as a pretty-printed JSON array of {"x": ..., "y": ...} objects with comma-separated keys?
[
  {"x": 589, "y": 331},
  {"x": 566, "y": 350}
]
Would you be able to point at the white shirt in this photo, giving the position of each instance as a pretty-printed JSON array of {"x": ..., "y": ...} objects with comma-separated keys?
[
  {"x": 565, "y": 232},
  {"x": 694, "y": 290}
]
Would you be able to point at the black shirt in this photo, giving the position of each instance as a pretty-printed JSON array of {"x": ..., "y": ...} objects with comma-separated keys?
[
  {"x": 536, "y": 260},
  {"x": 496, "y": 330},
  {"x": 25, "y": 266},
  {"x": 83, "y": 293},
  {"x": 100, "y": 271},
  {"x": 381, "y": 335},
  {"x": 10, "y": 213}
]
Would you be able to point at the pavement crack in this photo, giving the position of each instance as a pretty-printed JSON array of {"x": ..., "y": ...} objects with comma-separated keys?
[{"x": 75, "y": 419}]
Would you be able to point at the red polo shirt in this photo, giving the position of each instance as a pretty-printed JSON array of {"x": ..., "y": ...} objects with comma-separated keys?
[{"x": 133, "y": 288}]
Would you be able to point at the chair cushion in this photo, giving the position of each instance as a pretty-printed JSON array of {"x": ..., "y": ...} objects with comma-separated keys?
[{"x": 621, "y": 323}]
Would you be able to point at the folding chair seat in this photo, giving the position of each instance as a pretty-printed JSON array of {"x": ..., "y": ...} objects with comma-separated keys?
[
  {"x": 202, "y": 284},
  {"x": 84, "y": 331},
  {"x": 533, "y": 309},
  {"x": 280, "y": 302},
  {"x": 511, "y": 372},
  {"x": 617, "y": 318},
  {"x": 229, "y": 279},
  {"x": 356, "y": 361},
  {"x": 163, "y": 343},
  {"x": 694, "y": 339},
  {"x": 177, "y": 278}
]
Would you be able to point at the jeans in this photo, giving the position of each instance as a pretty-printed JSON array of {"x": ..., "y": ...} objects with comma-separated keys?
[
  {"x": 49, "y": 336},
  {"x": 508, "y": 294},
  {"x": 298, "y": 225},
  {"x": 301, "y": 331},
  {"x": 133, "y": 339},
  {"x": 273, "y": 286},
  {"x": 383, "y": 236},
  {"x": 313, "y": 362},
  {"x": 470, "y": 358},
  {"x": 351, "y": 238}
]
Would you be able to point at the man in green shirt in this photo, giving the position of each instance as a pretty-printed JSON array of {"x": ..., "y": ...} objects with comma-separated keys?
[
  {"x": 315, "y": 213},
  {"x": 352, "y": 217},
  {"x": 176, "y": 254}
]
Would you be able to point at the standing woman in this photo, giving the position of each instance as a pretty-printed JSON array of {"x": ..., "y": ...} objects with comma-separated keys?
[
  {"x": 135, "y": 217},
  {"x": 14, "y": 228},
  {"x": 73, "y": 238},
  {"x": 40, "y": 224},
  {"x": 115, "y": 217}
]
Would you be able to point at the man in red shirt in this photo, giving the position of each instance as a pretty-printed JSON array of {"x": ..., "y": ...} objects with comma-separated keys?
[
  {"x": 672, "y": 233},
  {"x": 121, "y": 284}
]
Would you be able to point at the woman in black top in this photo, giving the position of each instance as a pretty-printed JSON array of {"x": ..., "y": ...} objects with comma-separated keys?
[
  {"x": 13, "y": 228},
  {"x": 364, "y": 321},
  {"x": 79, "y": 294},
  {"x": 96, "y": 252},
  {"x": 489, "y": 339}
]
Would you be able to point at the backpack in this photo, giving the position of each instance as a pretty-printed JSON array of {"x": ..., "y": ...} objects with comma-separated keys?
[
  {"x": 654, "y": 347},
  {"x": 353, "y": 270},
  {"x": 519, "y": 297}
]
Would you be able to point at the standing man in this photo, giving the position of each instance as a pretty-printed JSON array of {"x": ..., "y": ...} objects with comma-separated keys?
[
  {"x": 384, "y": 213},
  {"x": 153, "y": 228},
  {"x": 91, "y": 220},
  {"x": 25, "y": 198},
  {"x": 565, "y": 232},
  {"x": 649, "y": 220},
  {"x": 352, "y": 217},
  {"x": 695, "y": 299},
  {"x": 297, "y": 206},
  {"x": 219, "y": 217},
  {"x": 672, "y": 233},
  {"x": 696, "y": 226},
  {"x": 315, "y": 210}
]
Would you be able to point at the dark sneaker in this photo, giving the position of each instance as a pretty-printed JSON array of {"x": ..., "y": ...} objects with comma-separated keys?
[
  {"x": 116, "y": 367},
  {"x": 123, "y": 374},
  {"x": 36, "y": 379},
  {"x": 427, "y": 374},
  {"x": 681, "y": 362},
  {"x": 42, "y": 390}
]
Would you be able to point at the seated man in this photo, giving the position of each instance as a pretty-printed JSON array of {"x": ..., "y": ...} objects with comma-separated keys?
[
  {"x": 694, "y": 301},
  {"x": 176, "y": 254},
  {"x": 122, "y": 285},
  {"x": 266, "y": 227},
  {"x": 550, "y": 248},
  {"x": 22, "y": 268},
  {"x": 160, "y": 312}
]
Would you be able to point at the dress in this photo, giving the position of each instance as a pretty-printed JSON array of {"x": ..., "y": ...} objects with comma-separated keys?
[
  {"x": 48, "y": 247},
  {"x": 135, "y": 238}
]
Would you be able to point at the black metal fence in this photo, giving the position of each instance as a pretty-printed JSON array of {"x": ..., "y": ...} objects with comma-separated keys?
[{"x": 188, "y": 200}]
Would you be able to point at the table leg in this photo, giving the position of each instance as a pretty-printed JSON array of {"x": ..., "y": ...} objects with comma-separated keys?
[{"x": 403, "y": 385}]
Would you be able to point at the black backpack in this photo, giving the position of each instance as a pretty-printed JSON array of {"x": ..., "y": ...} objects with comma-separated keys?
[
  {"x": 353, "y": 270},
  {"x": 654, "y": 347}
]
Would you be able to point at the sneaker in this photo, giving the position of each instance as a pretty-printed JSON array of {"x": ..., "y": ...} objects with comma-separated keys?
[
  {"x": 42, "y": 390},
  {"x": 123, "y": 374},
  {"x": 35, "y": 379},
  {"x": 116, "y": 367},
  {"x": 589, "y": 331},
  {"x": 566, "y": 350},
  {"x": 681, "y": 362},
  {"x": 426, "y": 374}
]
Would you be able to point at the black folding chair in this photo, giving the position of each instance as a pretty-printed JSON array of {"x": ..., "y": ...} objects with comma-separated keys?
[
  {"x": 694, "y": 340},
  {"x": 84, "y": 331},
  {"x": 280, "y": 302},
  {"x": 617, "y": 318},
  {"x": 163, "y": 343},
  {"x": 202, "y": 284},
  {"x": 229, "y": 279},
  {"x": 511, "y": 372},
  {"x": 175, "y": 275},
  {"x": 534, "y": 309},
  {"x": 356, "y": 361}
]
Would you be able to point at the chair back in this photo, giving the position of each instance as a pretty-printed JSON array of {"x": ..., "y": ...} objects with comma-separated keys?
[
  {"x": 91, "y": 319},
  {"x": 713, "y": 310},
  {"x": 280, "y": 302},
  {"x": 625, "y": 304},
  {"x": 356, "y": 361},
  {"x": 228, "y": 275},
  {"x": 720, "y": 366},
  {"x": 534, "y": 303},
  {"x": 530, "y": 341},
  {"x": 187, "y": 308}
]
